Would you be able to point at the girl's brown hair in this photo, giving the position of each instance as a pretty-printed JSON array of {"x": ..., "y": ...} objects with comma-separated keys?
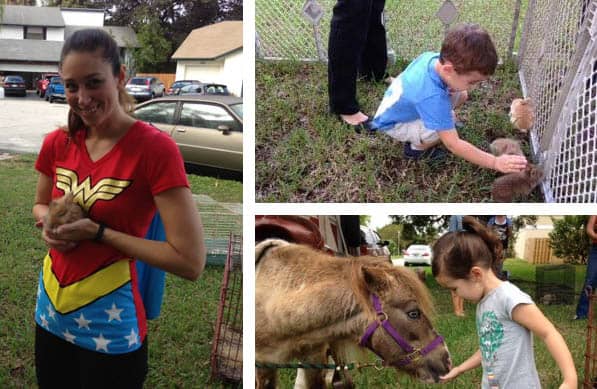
[
  {"x": 90, "y": 40},
  {"x": 455, "y": 253},
  {"x": 469, "y": 48}
]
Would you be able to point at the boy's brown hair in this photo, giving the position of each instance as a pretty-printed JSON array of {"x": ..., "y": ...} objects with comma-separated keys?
[{"x": 469, "y": 48}]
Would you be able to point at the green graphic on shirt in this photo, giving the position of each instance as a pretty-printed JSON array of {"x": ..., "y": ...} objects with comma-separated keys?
[{"x": 491, "y": 335}]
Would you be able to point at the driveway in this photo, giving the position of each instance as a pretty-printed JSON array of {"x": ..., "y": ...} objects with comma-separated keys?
[{"x": 25, "y": 120}]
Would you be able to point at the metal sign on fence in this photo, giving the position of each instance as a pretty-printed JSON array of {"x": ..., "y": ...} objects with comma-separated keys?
[{"x": 447, "y": 13}]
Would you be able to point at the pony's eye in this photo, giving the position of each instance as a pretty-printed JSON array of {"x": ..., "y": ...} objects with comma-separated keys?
[{"x": 414, "y": 314}]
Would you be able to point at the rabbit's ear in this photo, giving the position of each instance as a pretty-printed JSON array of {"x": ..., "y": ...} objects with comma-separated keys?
[{"x": 68, "y": 196}]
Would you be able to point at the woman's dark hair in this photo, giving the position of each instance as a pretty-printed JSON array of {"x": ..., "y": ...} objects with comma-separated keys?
[
  {"x": 90, "y": 40},
  {"x": 455, "y": 253}
]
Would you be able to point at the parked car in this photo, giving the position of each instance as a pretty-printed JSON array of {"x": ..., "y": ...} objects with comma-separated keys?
[
  {"x": 145, "y": 88},
  {"x": 418, "y": 254},
  {"x": 371, "y": 244},
  {"x": 207, "y": 129},
  {"x": 42, "y": 84},
  {"x": 14, "y": 85},
  {"x": 204, "y": 89},
  {"x": 55, "y": 90},
  {"x": 175, "y": 87}
]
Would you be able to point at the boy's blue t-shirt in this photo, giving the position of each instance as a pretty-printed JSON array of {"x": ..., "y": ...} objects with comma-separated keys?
[{"x": 417, "y": 93}]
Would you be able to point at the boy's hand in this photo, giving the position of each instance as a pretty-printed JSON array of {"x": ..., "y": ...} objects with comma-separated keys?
[
  {"x": 510, "y": 163},
  {"x": 455, "y": 372}
]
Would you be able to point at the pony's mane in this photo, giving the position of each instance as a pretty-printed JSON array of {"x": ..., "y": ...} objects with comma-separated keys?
[{"x": 404, "y": 278}]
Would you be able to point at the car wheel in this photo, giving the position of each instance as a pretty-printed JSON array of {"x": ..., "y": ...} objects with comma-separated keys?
[
  {"x": 152, "y": 96},
  {"x": 51, "y": 100}
]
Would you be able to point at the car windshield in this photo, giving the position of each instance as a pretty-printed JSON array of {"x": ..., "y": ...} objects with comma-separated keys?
[
  {"x": 56, "y": 80},
  {"x": 180, "y": 84},
  {"x": 13, "y": 79},
  {"x": 418, "y": 248},
  {"x": 138, "y": 81},
  {"x": 238, "y": 109}
]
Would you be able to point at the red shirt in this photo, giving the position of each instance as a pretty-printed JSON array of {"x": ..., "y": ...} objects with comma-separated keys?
[{"x": 117, "y": 189}]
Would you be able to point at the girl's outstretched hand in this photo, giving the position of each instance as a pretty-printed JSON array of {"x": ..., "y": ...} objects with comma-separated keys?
[{"x": 455, "y": 372}]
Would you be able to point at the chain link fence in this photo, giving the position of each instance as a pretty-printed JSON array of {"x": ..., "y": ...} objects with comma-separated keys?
[
  {"x": 558, "y": 70},
  {"x": 284, "y": 29}
]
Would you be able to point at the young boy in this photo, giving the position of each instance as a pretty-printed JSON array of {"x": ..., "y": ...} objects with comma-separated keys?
[{"x": 418, "y": 106}]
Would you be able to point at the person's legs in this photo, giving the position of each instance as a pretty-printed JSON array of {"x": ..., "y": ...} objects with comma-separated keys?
[
  {"x": 374, "y": 59},
  {"x": 582, "y": 309},
  {"x": 55, "y": 361},
  {"x": 348, "y": 34},
  {"x": 126, "y": 371}
]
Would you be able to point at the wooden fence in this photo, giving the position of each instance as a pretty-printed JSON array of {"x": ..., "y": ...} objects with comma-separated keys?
[
  {"x": 538, "y": 251},
  {"x": 167, "y": 78}
]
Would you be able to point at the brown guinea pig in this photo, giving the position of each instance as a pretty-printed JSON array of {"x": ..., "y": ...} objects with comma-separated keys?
[
  {"x": 509, "y": 186},
  {"x": 505, "y": 146},
  {"x": 63, "y": 210},
  {"x": 522, "y": 115}
]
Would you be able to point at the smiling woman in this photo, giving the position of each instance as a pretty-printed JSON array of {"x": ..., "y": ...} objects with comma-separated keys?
[{"x": 122, "y": 172}]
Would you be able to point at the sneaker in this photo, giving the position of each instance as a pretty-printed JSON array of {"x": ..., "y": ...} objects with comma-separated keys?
[
  {"x": 576, "y": 317},
  {"x": 434, "y": 153}
]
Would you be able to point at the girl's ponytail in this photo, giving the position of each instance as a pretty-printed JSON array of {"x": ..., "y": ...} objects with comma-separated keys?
[{"x": 488, "y": 236}]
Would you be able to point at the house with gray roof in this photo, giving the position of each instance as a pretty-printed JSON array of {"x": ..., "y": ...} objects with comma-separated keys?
[{"x": 31, "y": 38}]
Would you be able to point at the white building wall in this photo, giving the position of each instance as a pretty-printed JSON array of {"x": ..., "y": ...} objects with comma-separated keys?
[
  {"x": 12, "y": 32},
  {"x": 82, "y": 18},
  {"x": 55, "y": 33},
  {"x": 233, "y": 72}
]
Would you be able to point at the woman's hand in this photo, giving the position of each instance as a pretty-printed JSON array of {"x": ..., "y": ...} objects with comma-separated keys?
[
  {"x": 507, "y": 163},
  {"x": 83, "y": 229},
  {"x": 52, "y": 241}
]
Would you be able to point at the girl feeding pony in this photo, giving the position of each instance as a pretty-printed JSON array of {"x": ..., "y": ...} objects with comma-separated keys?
[{"x": 464, "y": 262}]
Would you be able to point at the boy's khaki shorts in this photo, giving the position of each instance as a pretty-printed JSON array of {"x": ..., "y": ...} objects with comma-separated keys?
[{"x": 415, "y": 132}]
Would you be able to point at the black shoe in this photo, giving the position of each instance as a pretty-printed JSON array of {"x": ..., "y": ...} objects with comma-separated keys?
[
  {"x": 362, "y": 127},
  {"x": 434, "y": 153}
]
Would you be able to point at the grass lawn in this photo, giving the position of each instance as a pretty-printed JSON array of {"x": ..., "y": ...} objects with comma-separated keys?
[
  {"x": 461, "y": 337},
  {"x": 179, "y": 340},
  {"x": 304, "y": 154}
]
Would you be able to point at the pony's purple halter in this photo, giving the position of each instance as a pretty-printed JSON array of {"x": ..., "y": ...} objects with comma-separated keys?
[{"x": 413, "y": 354}]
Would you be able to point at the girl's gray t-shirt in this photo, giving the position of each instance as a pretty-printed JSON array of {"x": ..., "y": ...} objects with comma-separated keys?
[{"x": 506, "y": 346}]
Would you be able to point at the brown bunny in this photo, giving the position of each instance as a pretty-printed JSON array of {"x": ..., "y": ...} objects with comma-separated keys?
[
  {"x": 511, "y": 185},
  {"x": 521, "y": 114},
  {"x": 63, "y": 210},
  {"x": 505, "y": 146}
]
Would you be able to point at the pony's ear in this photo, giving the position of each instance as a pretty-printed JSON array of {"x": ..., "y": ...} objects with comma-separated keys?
[{"x": 375, "y": 278}]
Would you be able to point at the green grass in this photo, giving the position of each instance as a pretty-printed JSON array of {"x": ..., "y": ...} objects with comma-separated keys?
[
  {"x": 461, "y": 337},
  {"x": 304, "y": 154},
  {"x": 179, "y": 340}
]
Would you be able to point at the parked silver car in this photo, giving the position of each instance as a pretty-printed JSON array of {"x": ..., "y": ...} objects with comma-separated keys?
[
  {"x": 145, "y": 88},
  {"x": 419, "y": 254},
  {"x": 371, "y": 244},
  {"x": 208, "y": 129}
]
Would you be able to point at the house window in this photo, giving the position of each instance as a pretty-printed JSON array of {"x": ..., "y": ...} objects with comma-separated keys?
[{"x": 38, "y": 33}]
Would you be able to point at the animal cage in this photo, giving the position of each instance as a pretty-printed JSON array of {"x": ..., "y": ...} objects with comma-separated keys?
[
  {"x": 558, "y": 70},
  {"x": 590, "y": 380},
  {"x": 555, "y": 284},
  {"x": 219, "y": 220},
  {"x": 227, "y": 347}
]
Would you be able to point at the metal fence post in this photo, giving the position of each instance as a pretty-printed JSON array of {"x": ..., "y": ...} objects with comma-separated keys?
[{"x": 515, "y": 20}]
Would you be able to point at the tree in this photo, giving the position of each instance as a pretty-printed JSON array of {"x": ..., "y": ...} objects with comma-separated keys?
[
  {"x": 569, "y": 239},
  {"x": 364, "y": 220},
  {"x": 391, "y": 233},
  {"x": 155, "y": 48},
  {"x": 420, "y": 228}
]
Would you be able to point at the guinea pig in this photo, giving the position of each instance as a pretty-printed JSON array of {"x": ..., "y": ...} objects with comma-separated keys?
[
  {"x": 505, "y": 146},
  {"x": 512, "y": 185},
  {"x": 61, "y": 211},
  {"x": 522, "y": 115}
]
